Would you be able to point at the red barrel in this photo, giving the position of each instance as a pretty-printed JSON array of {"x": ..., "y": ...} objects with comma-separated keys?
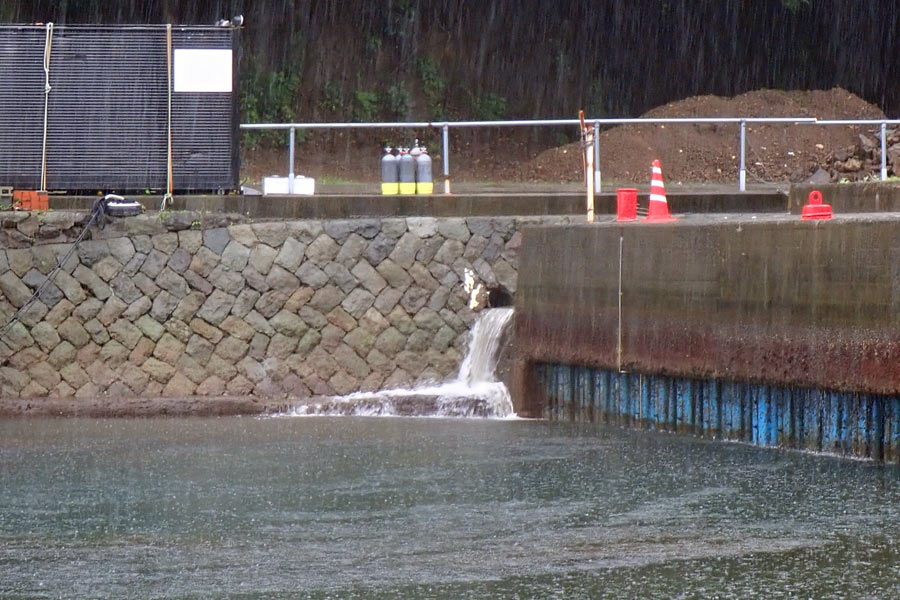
[{"x": 626, "y": 204}]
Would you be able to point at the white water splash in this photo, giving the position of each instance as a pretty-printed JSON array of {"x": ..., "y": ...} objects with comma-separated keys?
[
  {"x": 474, "y": 393},
  {"x": 481, "y": 361}
]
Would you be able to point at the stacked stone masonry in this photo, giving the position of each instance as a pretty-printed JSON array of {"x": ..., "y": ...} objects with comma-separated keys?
[{"x": 190, "y": 305}]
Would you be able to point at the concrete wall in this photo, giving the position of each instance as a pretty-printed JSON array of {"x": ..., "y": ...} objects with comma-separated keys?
[
  {"x": 769, "y": 330},
  {"x": 850, "y": 197},
  {"x": 773, "y": 300},
  {"x": 204, "y": 304},
  {"x": 486, "y": 204}
]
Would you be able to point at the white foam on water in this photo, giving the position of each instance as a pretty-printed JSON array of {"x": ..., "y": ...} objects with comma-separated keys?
[{"x": 474, "y": 393}]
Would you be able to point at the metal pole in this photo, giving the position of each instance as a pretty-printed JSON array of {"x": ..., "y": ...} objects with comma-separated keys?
[
  {"x": 596, "y": 157},
  {"x": 619, "y": 334},
  {"x": 589, "y": 177},
  {"x": 291, "y": 137},
  {"x": 548, "y": 122},
  {"x": 884, "y": 151},
  {"x": 743, "y": 172},
  {"x": 446, "y": 141}
]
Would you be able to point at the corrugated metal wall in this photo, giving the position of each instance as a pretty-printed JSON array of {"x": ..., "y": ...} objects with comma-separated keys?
[
  {"x": 205, "y": 124},
  {"x": 845, "y": 423},
  {"x": 107, "y": 113},
  {"x": 21, "y": 106}
]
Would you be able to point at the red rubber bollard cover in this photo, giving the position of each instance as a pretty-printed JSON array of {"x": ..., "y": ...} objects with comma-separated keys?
[{"x": 815, "y": 209}]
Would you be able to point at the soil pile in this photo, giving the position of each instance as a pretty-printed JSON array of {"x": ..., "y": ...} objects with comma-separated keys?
[{"x": 710, "y": 152}]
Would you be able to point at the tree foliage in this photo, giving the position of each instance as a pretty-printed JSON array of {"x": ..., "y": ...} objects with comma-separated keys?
[{"x": 436, "y": 59}]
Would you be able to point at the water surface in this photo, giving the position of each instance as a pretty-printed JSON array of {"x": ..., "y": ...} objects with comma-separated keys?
[{"x": 431, "y": 508}]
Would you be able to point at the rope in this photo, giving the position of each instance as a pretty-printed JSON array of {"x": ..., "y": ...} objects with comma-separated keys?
[
  {"x": 48, "y": 43},
  {"x": 98, "y": 215},
  {"x": 167, "y": 198}
]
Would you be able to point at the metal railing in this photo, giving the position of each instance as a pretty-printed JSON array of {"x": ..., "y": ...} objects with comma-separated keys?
[
  {"x": 445, "y": 127},
  {"x": 883, "y": 134}
]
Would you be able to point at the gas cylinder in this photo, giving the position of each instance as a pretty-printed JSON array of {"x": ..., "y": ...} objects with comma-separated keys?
[
  {"x": 407, "y": 172},
  {"x": 389, "y": 173},
  {"x": 424, "y": 184}
]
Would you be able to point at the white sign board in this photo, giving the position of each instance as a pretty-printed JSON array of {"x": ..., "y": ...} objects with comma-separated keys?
[{"x": 202, "y": 71}]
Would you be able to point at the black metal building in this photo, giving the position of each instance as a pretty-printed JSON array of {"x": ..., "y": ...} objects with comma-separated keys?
[{"x": 119, "y": 108}]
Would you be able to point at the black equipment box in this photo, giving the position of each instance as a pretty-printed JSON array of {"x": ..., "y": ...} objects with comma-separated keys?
[{"x": 119, "y": 108}]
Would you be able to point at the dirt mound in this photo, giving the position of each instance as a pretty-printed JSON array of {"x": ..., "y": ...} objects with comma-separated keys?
[{"x": 709, "y": 152}]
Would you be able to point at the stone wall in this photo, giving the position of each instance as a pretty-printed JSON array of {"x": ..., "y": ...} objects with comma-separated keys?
[{"x": 193, "y": 304}]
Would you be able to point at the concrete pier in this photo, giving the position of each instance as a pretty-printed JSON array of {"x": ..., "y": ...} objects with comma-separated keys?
[{"x": 724, "y": 316}]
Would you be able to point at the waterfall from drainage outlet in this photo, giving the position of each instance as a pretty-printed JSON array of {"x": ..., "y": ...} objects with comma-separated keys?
[{"x": 474, "y": 393}]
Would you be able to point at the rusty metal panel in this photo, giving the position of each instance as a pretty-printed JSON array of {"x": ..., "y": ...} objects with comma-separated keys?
[{"x": 846, "y": 423}]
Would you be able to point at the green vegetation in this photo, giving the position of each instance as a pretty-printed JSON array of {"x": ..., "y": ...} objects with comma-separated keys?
[
  {"x": 267, "y": 97},
  {"x": 334, "y": 180},
  {"x": 372, "y": 44},
  {"x": 365, "y": 106},
  {"x": 331, "y": 100},
  {"x": 545, "y": 59},
  {"x": 487, "y": 106},
  {"x": 595, "y": 99},
  {"x": 396, "y": 102},
  {"x": 794, "y": 5},
  {"x": 434, "y": 88}
]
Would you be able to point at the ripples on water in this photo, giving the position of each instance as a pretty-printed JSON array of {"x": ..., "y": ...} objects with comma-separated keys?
[{"x": 431, "y": 508}]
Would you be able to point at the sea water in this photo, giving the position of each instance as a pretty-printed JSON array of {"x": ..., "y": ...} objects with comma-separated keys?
[{"x": 350, "y": 507}]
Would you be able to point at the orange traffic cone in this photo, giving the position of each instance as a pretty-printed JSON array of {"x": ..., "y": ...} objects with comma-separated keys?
[{"x": 659, "y": 207}]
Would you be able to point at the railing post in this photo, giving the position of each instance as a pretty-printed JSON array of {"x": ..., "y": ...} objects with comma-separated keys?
[
  {"x": 742, "y": 185},
  {"x": 596, "y": 157},
  {"x": 589, "y": 174},
  {"x": 445, "y": 134},
  {"x": 291, "y": 139},
  {"x": 884, "y": 151}
]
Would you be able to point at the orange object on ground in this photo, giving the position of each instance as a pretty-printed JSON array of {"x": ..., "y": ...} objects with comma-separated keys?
[
  {"x": 626, "y": 204},
  {"x": 659, "y": 206},
  {"x": 30, "y": 200},
  {"x": 22, "y": 199}
]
